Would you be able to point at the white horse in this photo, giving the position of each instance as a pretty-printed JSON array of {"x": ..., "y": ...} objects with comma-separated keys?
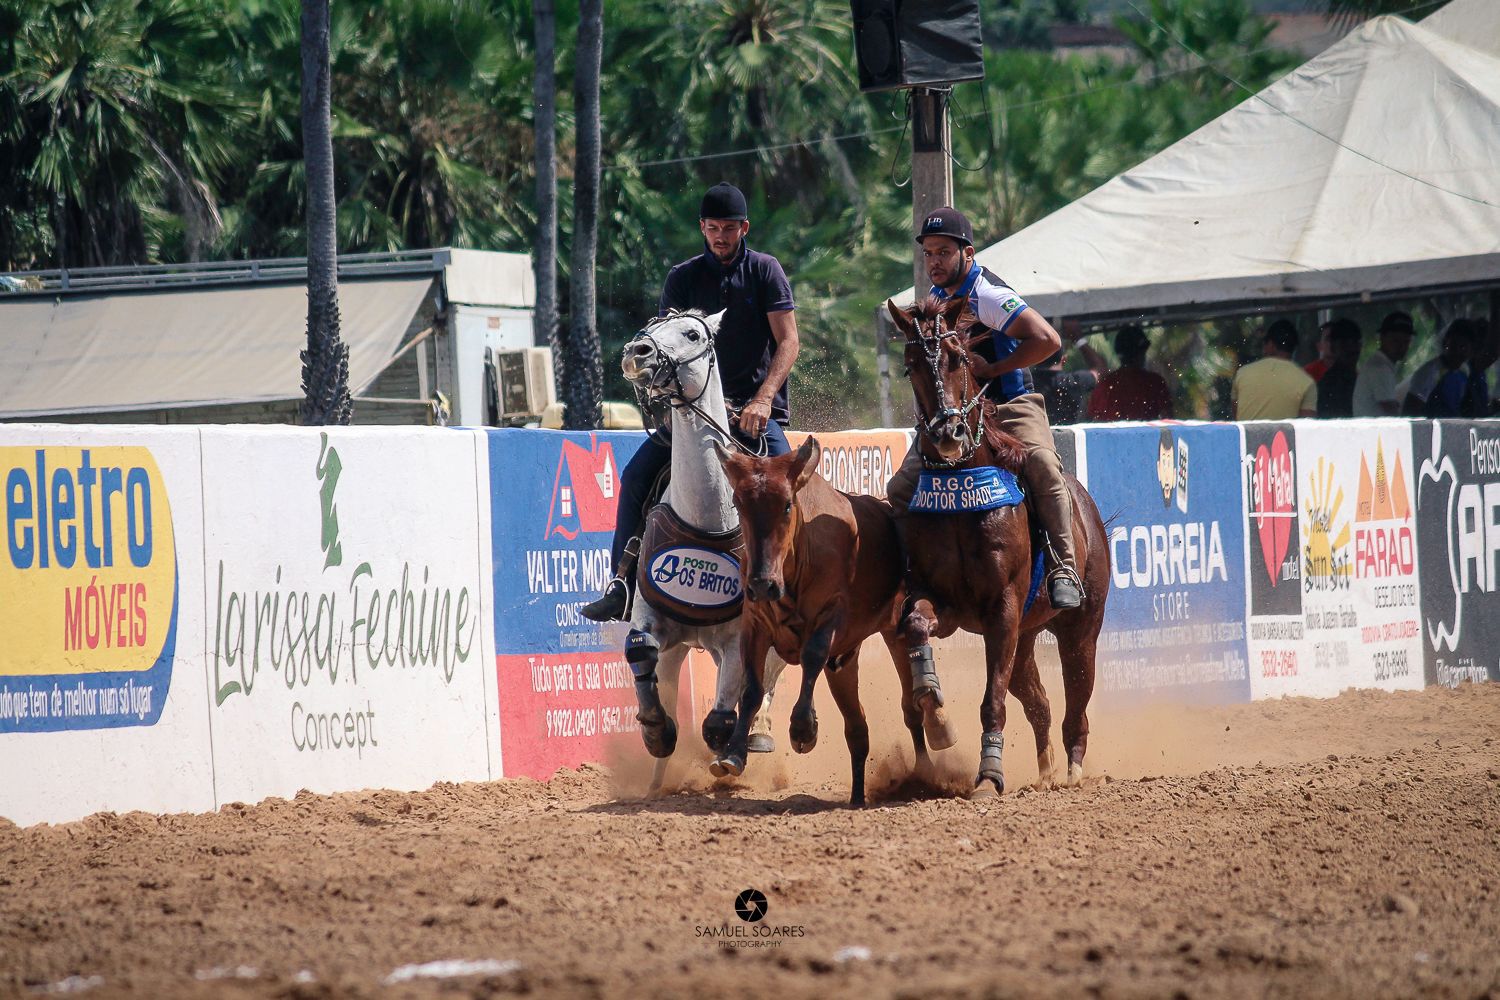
[{"x": 673, "y": 361}]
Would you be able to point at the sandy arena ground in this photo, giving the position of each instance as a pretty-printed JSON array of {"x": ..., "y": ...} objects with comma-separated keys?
[{"x": 1299, "y": 848}]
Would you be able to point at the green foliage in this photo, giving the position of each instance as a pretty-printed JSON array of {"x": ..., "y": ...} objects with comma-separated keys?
[
  {"x": 147, "y": 130},
  {"x": 1023, "y": 24}
]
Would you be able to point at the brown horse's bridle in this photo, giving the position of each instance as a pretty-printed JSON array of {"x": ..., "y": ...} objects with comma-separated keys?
[{"x": 932, "y": 349}]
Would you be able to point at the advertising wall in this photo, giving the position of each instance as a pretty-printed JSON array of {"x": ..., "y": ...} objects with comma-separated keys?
[
  {"x": 346, "y": 600},
  {"x": 565, "y": 688},
  {"x": 1458, "y": 534},
  {"x": 1174, "y": 624},
  {"x": 1332, "y": 558},
  {"x": 101, "y": 675},
  {"x": 191, "y": 616}
]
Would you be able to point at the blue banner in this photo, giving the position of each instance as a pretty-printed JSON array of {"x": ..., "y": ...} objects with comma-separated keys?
[
  {"x": 1174, "y": 625},
  {"x": 553, "y": 497}
]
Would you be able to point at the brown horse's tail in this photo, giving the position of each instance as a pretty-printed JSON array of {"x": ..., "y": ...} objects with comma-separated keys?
[{"x": 1009, "y": 452}]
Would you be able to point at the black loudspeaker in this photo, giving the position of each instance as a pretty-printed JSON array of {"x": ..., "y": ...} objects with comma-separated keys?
[{"x": 916, "y": 43}]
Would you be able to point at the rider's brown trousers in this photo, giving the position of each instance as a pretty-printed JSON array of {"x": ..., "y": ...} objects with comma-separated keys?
[{"x": 1025, "y": 417}]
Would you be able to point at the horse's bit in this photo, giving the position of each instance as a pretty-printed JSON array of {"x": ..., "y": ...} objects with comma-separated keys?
[
  {"x": 668, "y": 379},
  {"x": 932, "y": 349}
]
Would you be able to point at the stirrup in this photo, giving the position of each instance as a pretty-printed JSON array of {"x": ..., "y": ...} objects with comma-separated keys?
[
  {"x": 612, "y": 605},
  {"x": 1065, "y": 579}
]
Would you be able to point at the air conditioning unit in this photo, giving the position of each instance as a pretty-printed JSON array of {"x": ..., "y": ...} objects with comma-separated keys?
[{"x": 524, "y": 381}]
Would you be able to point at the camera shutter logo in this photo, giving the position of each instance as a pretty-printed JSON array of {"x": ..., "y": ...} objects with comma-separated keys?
[{"x": 750, "y": 905}]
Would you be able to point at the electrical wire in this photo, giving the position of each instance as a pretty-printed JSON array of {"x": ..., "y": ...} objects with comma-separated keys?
[
  {"x": 1054, "y": 99},
  {"x": 1255, "y": 95},
  {"x": 989, "y": 122}
]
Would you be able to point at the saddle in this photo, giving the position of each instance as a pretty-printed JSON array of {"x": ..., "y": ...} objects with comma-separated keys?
[{"x": 689, "y": 575}]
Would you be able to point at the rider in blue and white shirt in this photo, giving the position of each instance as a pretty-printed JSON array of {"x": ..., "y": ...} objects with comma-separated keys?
[{"x": 1019, "y": 337}]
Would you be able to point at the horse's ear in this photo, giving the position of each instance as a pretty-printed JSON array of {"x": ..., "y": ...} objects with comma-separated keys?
[
  {"x": 806, "y": 463},
  {"x": 904, "y": 323},
  {"x": 953, "y": 309},
  {"x": 714, "y": 321}
]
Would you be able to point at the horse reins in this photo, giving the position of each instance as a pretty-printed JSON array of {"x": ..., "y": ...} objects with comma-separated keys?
[
  {"x": 932, "y": 349},
  {"x": 668, "y": 377}
]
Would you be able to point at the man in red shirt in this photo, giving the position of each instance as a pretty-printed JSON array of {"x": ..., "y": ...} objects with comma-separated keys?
[{"x": 1130, "y": 392}]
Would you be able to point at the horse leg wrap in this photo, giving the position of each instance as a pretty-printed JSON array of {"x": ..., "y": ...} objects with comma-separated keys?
[
  {"x": 927, "y": 696},
  {"x": 642, "y": 652},
  {"x": 718, "y": 728},
  {"x": 924, "y": 678},
  {"x": 991, "y": 746},
  {"x": 658, "y": 731}
]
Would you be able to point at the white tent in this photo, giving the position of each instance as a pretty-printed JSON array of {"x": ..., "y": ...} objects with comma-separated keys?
[{"x": 1372, "y": 169}]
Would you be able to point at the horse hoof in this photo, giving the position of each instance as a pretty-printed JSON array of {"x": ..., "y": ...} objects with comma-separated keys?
[
  {"x": 718, "y": 727},
  {"x": 936, "y": 727},
  {"x": 728, "y": 766},
  {"x": 804, "y": 732},
  {"x": 761, "y": 743},
  {"x": 988, "y": 786},
  {"x": 1046, "y": 769},
  {"x": 660, "y": 740},
  {"x": 1075, "y": 775}
]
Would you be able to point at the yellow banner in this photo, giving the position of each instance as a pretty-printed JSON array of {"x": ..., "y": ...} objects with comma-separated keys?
[{"x": 89, "y": 571}]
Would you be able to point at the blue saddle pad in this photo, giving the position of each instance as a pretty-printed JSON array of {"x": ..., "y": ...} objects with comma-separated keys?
[
  {"x": 966, "y": 490},
  {"x": 984, "y": 488},
  {"x": 1036, "y": 583}
]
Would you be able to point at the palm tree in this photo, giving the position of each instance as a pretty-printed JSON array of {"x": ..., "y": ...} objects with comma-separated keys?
[
  {"x": 116, "y": 118},
  {"x": 583, "y": 390},
  {"x": 325, "y": 363},
  {"x": 544, "y": 90}
]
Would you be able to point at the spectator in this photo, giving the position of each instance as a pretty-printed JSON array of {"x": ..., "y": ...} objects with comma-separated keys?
[
  {"x": 1478, "y": 401},
  {"x": 1066, "y": 393},
  {"x": 1375, "y": 388},
  {"x": 1336, "y": 384},
  {"x": 1318, "y": 368},
  {"x": 1274, "y": 388},
  {"x": 1130, "y": 392},
  {"x": 1439, "y": 387}
]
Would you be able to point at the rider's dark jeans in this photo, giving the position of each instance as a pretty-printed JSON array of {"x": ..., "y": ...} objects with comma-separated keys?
[{"x": 643, "y": 468}]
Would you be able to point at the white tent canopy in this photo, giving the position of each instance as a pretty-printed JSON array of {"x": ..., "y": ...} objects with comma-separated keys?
[
  {"x": 187, "y": 348},
  {"x": 1370, "y": 169}
]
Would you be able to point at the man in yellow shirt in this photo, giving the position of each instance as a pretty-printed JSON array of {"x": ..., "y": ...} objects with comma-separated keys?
[{"x": 1274, "y": 388}]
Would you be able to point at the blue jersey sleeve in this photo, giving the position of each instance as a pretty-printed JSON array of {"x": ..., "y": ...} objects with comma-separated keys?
[{"x": 997, "y": 306}]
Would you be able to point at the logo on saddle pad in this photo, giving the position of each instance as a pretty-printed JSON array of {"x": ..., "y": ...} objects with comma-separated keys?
[
  {"x": 689, "y": 575},
  {"x": 696, "y": 576},
  {"x": 978, "y": 489}
]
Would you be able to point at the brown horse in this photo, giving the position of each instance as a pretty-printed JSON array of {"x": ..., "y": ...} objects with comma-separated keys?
[
  {"x": 823, "y": 573},
  {"x": 974, "y": 570}
]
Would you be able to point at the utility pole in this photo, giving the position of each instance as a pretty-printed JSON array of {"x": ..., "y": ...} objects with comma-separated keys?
[
  {"x": 931, "y": 188},
  {"x": 931, "y": 166}
]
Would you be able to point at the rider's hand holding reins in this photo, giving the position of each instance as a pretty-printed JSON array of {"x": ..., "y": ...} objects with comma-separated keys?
[{"x": 754, "y": 417}]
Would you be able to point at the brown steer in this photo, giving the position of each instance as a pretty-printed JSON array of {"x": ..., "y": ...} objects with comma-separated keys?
[{"x": 823, "y": 572}]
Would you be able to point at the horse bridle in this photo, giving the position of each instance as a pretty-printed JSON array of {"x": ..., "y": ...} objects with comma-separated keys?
[
  {"x": 668, "y": 377},
  {"x": 932, "y": 349}
]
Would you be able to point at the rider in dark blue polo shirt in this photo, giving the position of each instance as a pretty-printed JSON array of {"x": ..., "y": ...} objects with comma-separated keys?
[{"x": 756, "y": 346}]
